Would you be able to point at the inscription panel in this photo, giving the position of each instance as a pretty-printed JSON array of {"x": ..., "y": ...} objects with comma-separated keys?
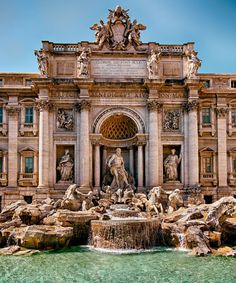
[{"x": 119, "y": 68}]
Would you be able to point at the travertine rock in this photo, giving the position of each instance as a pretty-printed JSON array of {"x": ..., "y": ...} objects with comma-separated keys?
[{"x": 9, "y": 210}]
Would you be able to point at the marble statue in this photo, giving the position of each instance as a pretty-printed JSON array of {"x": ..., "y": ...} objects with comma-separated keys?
[
  {"x": 171, "y": 165},
  {"x": 134, "y": 34},
  {"x": 102, "y": 33},
  {"x": 175, "y": 201},
  {"x": 155, "y": 200},
  {"x": 117, "y": 169},
  {"x": 42, "y": 59},
  {"x": 83, "y": 63},
  {"x": 65, "y": 167},
  {"x": 193, "y": 64},
  {"x": 64, "y": 120},
  {"x": 153, "y": 64}
]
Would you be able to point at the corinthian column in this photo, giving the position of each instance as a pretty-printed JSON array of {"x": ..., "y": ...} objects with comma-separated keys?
[
  {"x": 83, "y": 107},
  {"x": 222, "y": 145},
  {"x": 44, "y": 106},
  {"x": 193, "y": 165},
  {"x": 13, "y": 113},
  {"x": 97, "y": 164},
  {"x": 153, "y": 107}
]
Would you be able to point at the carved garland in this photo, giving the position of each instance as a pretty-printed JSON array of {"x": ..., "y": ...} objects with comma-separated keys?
[
  {"x": 82, "y": 105},
  {"x": 153, "y": 105}
]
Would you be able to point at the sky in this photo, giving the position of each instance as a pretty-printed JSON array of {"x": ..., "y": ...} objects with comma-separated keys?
[{"x": 211, "y": 24}]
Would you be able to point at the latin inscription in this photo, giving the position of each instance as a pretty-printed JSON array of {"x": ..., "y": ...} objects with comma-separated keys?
[{"x": 118, "y": 68}]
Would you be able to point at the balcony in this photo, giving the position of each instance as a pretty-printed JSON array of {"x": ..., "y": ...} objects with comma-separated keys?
[{"x": 208, "y": 179}]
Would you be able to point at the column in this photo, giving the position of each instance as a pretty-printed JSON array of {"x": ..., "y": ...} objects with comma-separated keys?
[
  {"x": 153, "y": 107},
  {"x": 97, "y": 166},
  {"x": 44, "y": 106},
  {"x": 185, "y": 152},
  {"x": 131, "y": 160},
  {"x": 84, "y": 107},
  {"x": 104, "y": 158},
  {"x": 222, "y": 146},
  {"x": 193, "y": 164},
  {"x": 13, "y": 114},
  {"x": 140, "y": 166}
]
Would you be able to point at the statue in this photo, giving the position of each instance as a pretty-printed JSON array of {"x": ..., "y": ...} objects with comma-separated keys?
[
  {"x": 155, "y": 200},
  {"x": 42, "y": 62},
  {"x": 65, "y": 167},
  {"x": 175, "y": 201},
  {"x": 64, "y": 120},
  {"x": 193, "y": 64},
  {"x": 117, "y": 169},
  {"x": 102, "y": 33},
  {"x": 171, "y": 165},
  {"x": 153, "y": 64},
  {"x": 134, "y": 34},
  {"x": 82, "y": 63}
]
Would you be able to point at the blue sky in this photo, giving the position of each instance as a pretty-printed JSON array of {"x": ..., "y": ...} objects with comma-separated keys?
[{"x": 211, "y": 24}]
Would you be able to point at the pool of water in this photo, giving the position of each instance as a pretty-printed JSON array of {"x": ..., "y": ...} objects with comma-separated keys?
[{"x": 80, "y": 264}]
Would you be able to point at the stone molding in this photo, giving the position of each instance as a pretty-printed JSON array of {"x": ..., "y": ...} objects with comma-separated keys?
[
  {"x": 222, "y": 112},
  {"x": 43, "y": 105},
  {"x": 192, "y": 105},
  {"x": 154, "y": 105},
  {"x": 83, "y": 105}
]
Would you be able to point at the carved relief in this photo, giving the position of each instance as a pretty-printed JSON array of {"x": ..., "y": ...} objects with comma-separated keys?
[
  {"x": 43, "y": 105},
  {"x": 222, "y": 112},
  {"x": 83, "y": 64},
  {"x": 65, "y": 119},
  {"x": 119, "y": 33},
  {"x": 65, "y": 68},
  {"x": 153, "y": 105},
  {"x": 171, "y": 120},
  {"x": 191, "y": 105},
  {"x": 83, "y": 104},
  {"x": 153, "y": 64}
]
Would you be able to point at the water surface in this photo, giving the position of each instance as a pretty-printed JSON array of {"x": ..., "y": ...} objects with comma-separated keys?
[{"x": 80, "y": 264}]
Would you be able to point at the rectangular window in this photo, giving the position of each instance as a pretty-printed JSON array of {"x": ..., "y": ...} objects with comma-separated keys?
[
  {"x": 208, "y": 165},
  {"x": 29, "y": 115},
  {"x": 233, "y": 84},
  {"x": 1, "y": 115},
  {"x": 206, "y": 116},
  {"x": 1, "y": 82},
  {"x": 233, "y": 116},
  {"x": 1, "y": 164},
  {"x": 28, "y": 199},
  {"x": 207, "y": 83},
  {"x": 29, "y": 164}
]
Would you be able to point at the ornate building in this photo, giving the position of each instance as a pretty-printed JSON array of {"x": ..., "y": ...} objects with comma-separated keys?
[{"x": 176, "y": 127}]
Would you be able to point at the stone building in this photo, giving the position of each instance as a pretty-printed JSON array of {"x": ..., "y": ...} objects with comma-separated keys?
[{"x": 60, "y": 126}]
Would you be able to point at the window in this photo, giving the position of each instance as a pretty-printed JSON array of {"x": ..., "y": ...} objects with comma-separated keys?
[
  {"x": 29, "y": 161},
  {"x": 233, "y": 116},
  {"x": 1, "y": 115},
  {"x": 29, "y": 115},
  {"x": 1, "y": 82},
  {"x": 28, "y": 82},
  {"x": 207, "y": 165},
  {"x": 206, "y": 84},
  {"x": 208, "y": 199},
  {"x": 1, "y": 164},
  {"x": 206, "y": 116},
  {"x": 233, "y": 84}
]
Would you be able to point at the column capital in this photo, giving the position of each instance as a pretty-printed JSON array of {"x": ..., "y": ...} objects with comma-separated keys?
[
  {"x": 43, "y": 105},
  {"x": 13, "y": 109},
  {"x": 154, "y": 105},
  {"x": 191, "y": 105},
  {"x": 83, "y": 105},
  {"x": 222, "y": 112}
]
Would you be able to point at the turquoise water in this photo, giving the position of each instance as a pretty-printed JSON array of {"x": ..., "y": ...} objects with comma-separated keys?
[{"x": 79, "y": 264}]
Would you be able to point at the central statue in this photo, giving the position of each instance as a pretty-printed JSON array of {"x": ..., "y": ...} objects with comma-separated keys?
[{"x": 117, "y": 169}]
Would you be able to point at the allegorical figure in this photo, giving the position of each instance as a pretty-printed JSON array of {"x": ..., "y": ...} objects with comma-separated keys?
[
  {"x": 42, "y": 59},
  {"x": 193, "y": 64},
  {"x": 153, "y": 64},
  {"x": 171, "y": 165},
  {"x": 117, "y": 169},
  {"x": 82, "y": 63},
  {"x": 65, "y": 167}
]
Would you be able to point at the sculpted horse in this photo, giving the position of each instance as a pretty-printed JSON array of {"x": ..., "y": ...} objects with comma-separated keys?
[{"x": 155, "y": 200}]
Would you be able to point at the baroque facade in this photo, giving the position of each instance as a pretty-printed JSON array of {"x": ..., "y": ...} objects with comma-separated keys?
[{"x": 176, "y": 127}]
